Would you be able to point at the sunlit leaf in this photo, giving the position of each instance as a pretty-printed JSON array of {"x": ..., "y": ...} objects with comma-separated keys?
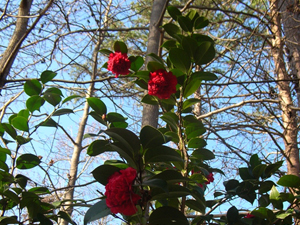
[
  {"x": 47, "y": 76},
  {"x": 27, "y": 161},
  {"x": 32, "y": 87},
  {"x": 97, "y": 211}
]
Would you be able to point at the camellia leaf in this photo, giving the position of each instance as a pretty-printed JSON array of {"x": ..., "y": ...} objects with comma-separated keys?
[
  {"x": 289, "y": 180},
  {"x": 20, "y": 123},
  {"x": 120, "y": 46},
  {"x": 24, "y": 113},
  {"x": 159, "y": 183},
  {"x": 189, "y": 102},
  {"x": 188, "y": 45},
  {"x": 69, "y": 98},
  {"x": 174, "y": 12},
  {"x": 205, "y": 52},
  {"x": 97, "y": 211},
  {"x": 232, "y": 215},
  {"x": 156, "y": 58},
  {"x": 264, "y": 213},
  {"x": 105, "y": 51},
  {"x": 47, "y": 76},
  {"x": 207, "y": 76},
  {"x": 170, "y": 176},
  {"x": 201, "y": 22},
  {"x": 151, "y": 137},
  {"x": 97, "y": 147},
  {"x": 180, "y": 59},
  {"x": 153, "y": 66},
  {"x": 27, "y": 161},
  {"x": 34, "y": 103},
  {"x": 167, "y": 215},
  {"x": 53, "y": 96},
  {"x": 161, "y": 154},
  {"x": 150, "y": 99},
  {"x": 185, "y": 23},
  {"x": 97, "y": 105},
  {"x": 32, "y": 87},
  {"x": 197, "y": 143},
  {"x": 172, "y": 30},
  {"x": 48, "y": 123},
  {"x": 195, "y": 205},
  {"x": 192, "y": 85},
  {"x": 9, "y": 129},
  {"x": 136, "y": 62},
  {"x": 61, "y": 112},
  {"x": 103, "y": 172}
]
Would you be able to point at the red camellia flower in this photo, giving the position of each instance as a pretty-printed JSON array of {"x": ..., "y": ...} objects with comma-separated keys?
[
  {"x": 210, "y": 178},
  {"x": 162, "y": 84},
  {"x": 120, "y": 197},
  {"x": 249, "y": 216},
  {"x": 118, "y": 63}
]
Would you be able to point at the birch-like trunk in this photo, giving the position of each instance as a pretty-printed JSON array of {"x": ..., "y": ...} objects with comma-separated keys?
[{"x": 150, "y": 112}]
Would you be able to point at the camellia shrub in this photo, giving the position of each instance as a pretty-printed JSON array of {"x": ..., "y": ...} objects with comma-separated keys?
[{"x": 160, "y": 175}]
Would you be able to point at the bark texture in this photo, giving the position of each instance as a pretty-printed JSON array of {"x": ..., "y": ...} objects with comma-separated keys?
[
  {"x": 14, "y": 45},
  {"x": 288, "y": 114},
  {"x": 150, "y": 112}
]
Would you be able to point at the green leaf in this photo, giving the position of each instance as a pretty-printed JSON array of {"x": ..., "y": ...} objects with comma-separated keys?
[
  {"x": 27, "y": 161},
  {"x": 32, "y": 87},
  {"x": 20, "y": 123},
  {"x": 289, "y": 180},
  {"x": 245, "y": 174},
  {"x": 231, "y": 184},
  {"x": 275, "y": 198},
  {"x": 180, "y": 59},
  {"x": 189, "y": 102},
  {"x": 264, "y": 213},
  {"x": 97, "y": 105},
  {"x": 156, "y": 58},
  {"x": 115, "y": 117},
  {"x": 171, "y": 176},
  {"x": 193, "y": 84},
  {"x": 158, "y": 183},
  {"x": 69, "y": 98},
  {"x": 207, "y": 76},
  {"x": 161, "y": 154},
  {"x": 120, "y": 46},
  {"x": 24, "y": 113},
  {"x": 97, "y": 147},
  {"x": 47, "y": 76},
  {"x": 48, "y": 123},
  {"x": 5, "y": 151},
  {"x": 201, "y": 22},
  {"x": 150, "y": 99},
  {"x": 66, "y": 217},
  {"x": 205, "y": 52},
  {"x": 174, "y": 12},
  {"x": 9, "y": 129},
  {"x": 167, "y": 215},
  {"x": 4, "y": 220},
  {"x": 169, "y": 44},
  {"x": 188, "y": 44},
  {"x": 53, "y": 96},
  {"x": 266, "y": 186},
  {"x": 197, "y": 143},
  {"x": 61, "y": 112},
  {"x": 153, "y": 66},
  {"x": 232, "y": 215},
  {"x": 185, "y": 23},
  {"x": 126, "y": 138},
  {"x": 21, "y": 180},
  {"x": 194, "y": 130},
  {"x": 98, "y": 118},
  {"x": 172, "y": 30},
  {"x": 39, "y": 190},
  {"x": 272, "y": 168},
  {"x": 195, "y": 205},
  {"x": 259, "y": 170},
  {"x": 34, "y": 103},
  {"x": 136, "y": 62},
  {"x": 97, "y": 211},
  {"x": 103, "y": 172},
  {"x": 254, "y": 161},
  {"x": 171, "y": 119},
  {"x": 105, "y": 51},
  {"x": 151, "y": 137}
]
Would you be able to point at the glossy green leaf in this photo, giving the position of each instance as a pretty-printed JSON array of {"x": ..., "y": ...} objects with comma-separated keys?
[
  {"x": 172, "y": 30},
  {"x": 172, "y": 176},
  {"x": 189, "y": 102},
  {"x": 150, "y": 99},
  {"x": 289, "y": 180},
  {"x": 174, "y": 12},
  {"x": 21, "y": 140},
  {"x": 192, "y": 85},
  {"x": 69, "y": 98},
  {"x": 232, "y": 215},
  {"x": 185, "y": 23},
  {"x": 161, "y": 154},
  {"x": 32, "y": 87},
  {"x": 151, "y": 137},
  {"x": 205, "y": 52},
  {"x": 169, "y": 44},
  {"x": 61, "y": 112},
  {"x": 120, "y": 46},
  {"x": 98, "y": 147},
  {"x": 126, "y": 138},
  {"x": 259, "y": 170},
  {"x": 4, "y": 220},
  {"x": 48, "y": 123},
  {"x": 39, "y": 190},
  {"x": 97, "y": 105},
  {"x": 47, "y": 76},
  {"x": 231, "y": 184},
  {"x": 103, "y": 172},
  {"x": 174, "y": 191},
  {"x": 275, "y": 198},
  {"x": 197, "y": 143},
  {"x": 194, "y": 130},
  {"x": 5, "y": 151},
  {"x": 180, "y": 59},
  {"x": 167, "y": 215},
  {"x": 207, "y": 76},
  {"x": 3, "y": 165},
  {"x": 27, "y": 161},
  {"x": 156, "y": 58},
  {"x": 34, "y": 103},
  {"x": 136, "y": 62},
  {"x": 66, "y": 217},
  {"x": 53, "y": 96},
  {"x": 20, "y": 123},
  {"x": 201, "y": 22},
  {"x": 266, "y": 186},
  {"x": 21, "y": 180},
  {"x": 9, "y": 129},
  {"x": 171, "y": 119},
  {"x": 158, "y": 183},
  {"x": 264, "y": 213},
  {"x": 264, "y": 201},
  {"x": 153, "y": 66},
  {"x": 254, "y": 161},
  {"x": 98, "y": 118},
  {"x": 24, "y": 113},
  {"x": 195, "y": 205},
  {"x": 97, "y": 211},
  {"x": 115, "y": 117},
  {"x": 188, "y": 45},
  {"x": 273, "y": 168},
  {"x": 105, "y": 52},
  {"x": 245, "y": 173}
]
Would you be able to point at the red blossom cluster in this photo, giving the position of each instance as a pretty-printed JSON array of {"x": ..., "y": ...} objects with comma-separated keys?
[
  {"x": 210, "y": 178},
  {"x": 118, "y": 63},
  {"x": 120, "y": 197},
  {"x": 249, "y": 216}
]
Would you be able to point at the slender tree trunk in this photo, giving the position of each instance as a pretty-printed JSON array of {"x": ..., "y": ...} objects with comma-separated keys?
[
  {"x": 150, "y": 112},
  {"x": 10, "y": 53},
  {"x": 288, "y": 114}
]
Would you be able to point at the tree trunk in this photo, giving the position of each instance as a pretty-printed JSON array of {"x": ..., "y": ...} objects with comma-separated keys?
[
  {"x": 150, "y": 112},
  {"x": 11, "y": 52}
]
